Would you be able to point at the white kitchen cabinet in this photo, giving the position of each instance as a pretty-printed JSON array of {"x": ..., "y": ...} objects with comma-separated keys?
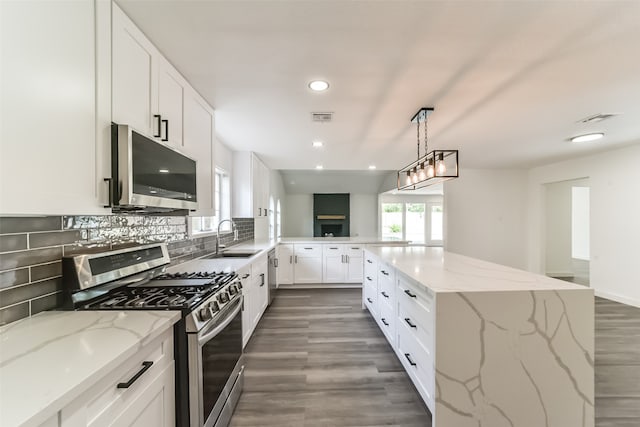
[
  {"x": 199, "y": 144},
  {"x": 149, "y": 400},
  {"x": 50, "y": 148},
  {"x": 251, "y": 187},
  {"x": 171, "y": 99},
  {"x": 134, "y": 76},
  {"x": 284, "y": 254},
  {"x": 333, "y": 264},
  {"x": 259, "y": 271},
  {"x": 354, "y": 264},
  {"x": 244, "y": 274},
  {"x": 307, "y": 259}
]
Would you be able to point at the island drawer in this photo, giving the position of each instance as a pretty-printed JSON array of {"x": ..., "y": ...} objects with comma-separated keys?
[
  {"x": 370, "y": 298},
  {"x": 418, "y": 324},
  {"x": 387, "y": 322},
  {"x": 386, "y": 274},
  {"x": 417, "y": 362},
  {"x": 415, "y": 294}
]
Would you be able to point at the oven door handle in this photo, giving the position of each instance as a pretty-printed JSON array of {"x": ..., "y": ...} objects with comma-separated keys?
[{"x": 206, "y": 334}]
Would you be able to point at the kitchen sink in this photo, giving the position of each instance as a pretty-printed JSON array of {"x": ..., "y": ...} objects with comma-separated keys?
[{"x": 232, "y": 254}]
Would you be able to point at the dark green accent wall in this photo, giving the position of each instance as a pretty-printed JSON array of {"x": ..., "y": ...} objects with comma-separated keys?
[{"x": 331, "y": 204}]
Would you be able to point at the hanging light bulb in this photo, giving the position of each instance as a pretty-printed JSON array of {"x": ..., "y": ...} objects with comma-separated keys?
[
  {"x": 414, "y": 175},
  {"x": 440, "y": 166},
  {"x": 421, "y": 174},
  {"x": 430, "y": 171},
  {"x": 408, "y": 181}
]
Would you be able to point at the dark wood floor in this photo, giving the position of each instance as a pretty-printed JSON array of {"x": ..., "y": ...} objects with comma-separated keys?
[{"x": 318, "y": 359}]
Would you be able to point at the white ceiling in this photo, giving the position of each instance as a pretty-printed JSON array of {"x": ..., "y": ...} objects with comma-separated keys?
[{"x": 508, "y": 79}]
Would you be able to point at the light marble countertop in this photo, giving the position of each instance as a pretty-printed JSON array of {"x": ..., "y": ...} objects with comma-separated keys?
[
  {"x": 361, "y": 240},
  {"x": 50, "y": 359},
  {"x": 443, "y": 271}
]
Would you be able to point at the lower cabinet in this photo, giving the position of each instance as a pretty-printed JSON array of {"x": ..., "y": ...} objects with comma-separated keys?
[
  {"x": 148, "y": 399},
  {"x": 404, "y": 311},
  {"x": 307, "y": 260},
  {"x": 284, "y": 254},
  {"x": 255, "y": 293}
]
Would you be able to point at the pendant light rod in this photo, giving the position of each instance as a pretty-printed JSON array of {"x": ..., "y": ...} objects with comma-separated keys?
[{"x": 422, "y": 114}]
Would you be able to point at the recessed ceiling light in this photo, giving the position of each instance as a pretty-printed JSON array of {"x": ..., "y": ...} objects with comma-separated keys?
[
  {"x": 318, "y": 85},
  {"x": 372, "y": 167},
  {"x": 163, "y": 170},
  {"x": 319, "y": 167},
  {"x": 587, "y": 137},
  {"x": 152, "y": 191},
  {"x": 317, "y": 144}
]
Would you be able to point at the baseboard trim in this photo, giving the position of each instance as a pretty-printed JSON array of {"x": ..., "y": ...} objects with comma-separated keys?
[
  {"x": 618, "y": 298},
  {"x": 321, "y": 286}
]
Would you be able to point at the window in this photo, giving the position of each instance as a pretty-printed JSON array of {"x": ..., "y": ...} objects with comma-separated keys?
[
  {"x": 278, "y": 220},
  {"x": 392, "y": 220},
  {"x": 420, "y": 222},
  {"x": 222, "y": 198}
]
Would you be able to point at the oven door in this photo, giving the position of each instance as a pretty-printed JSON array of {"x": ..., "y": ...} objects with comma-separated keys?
[{"x": 215, "y": 365}]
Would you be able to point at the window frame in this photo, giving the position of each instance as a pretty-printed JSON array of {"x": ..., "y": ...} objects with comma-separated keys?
[
  {"x": 222, "y": 202},
  {"x": 428, "y": 202}
]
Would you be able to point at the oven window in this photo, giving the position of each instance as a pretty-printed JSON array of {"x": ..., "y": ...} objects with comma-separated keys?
[{"x": 219, "y": 357}]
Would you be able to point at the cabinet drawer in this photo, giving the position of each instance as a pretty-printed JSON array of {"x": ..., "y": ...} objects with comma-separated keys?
[
  {"x": 370, "y": 272},
  {"x": 416, "y": 296},
  {"x": 387, "y": 323},
  {"x": 311, "y": 250},
  {"x": 386, "y": 295},
  {"x": 370, "y": 261},
  {"x": 354, "y": 251},
  {"x": 244, "y": 274},
  {"x": 329, "y": 250},
  {"x": 370, "y": 298},
  {"x": 385, "y": 274},
  {"x": 417, "y": 363},
  {"x": 419, "y": 325}
]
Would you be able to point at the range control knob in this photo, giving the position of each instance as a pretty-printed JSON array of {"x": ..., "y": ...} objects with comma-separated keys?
[
  {"x": 233, "y": 290},
  {"x": 214, "y": 307},
  {"x": 239, "y": 285},
  {"x": 223, "y": 297},
  {"x": 204, "y": 314}
]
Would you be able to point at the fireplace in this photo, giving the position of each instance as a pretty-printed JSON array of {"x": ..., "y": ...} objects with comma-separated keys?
[{"x": 331, "y": 215}]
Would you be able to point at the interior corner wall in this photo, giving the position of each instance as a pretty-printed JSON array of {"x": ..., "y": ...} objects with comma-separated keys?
[
  {"x": 614, "y": 182},
  {"x": 364, "y": 215},
  {"x": 276, "y": 190},
  {"x": 484, "y": 215}
]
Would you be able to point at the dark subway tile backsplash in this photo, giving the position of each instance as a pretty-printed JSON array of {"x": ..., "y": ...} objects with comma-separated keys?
[{"x": 31, "y": 249}]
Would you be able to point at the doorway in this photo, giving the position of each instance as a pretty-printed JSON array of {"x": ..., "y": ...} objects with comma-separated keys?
[{"x": 567, "y": 239}]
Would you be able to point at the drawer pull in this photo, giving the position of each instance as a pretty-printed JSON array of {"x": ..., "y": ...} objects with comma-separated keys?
[
  {"x": 369, "y": 299},
  {"x": 356, "y": 249},
  {"x": 145, "y": 366},
  {"x": 410, "y": 323},
  {"x": 411, "y": 362},
  {"x": 308, "y": 249},
  {"x": 384, "y": 294},
  {"x": 335, "y": 249},
  {"x": 384, "y": 272},
  {"x": 408, "y": 292},
  {"x": 369, "y": 279},
  {"x": 246, "y": 275},
  {"x": 384, "y": 321},
  {"x": 369, "y": 261}
]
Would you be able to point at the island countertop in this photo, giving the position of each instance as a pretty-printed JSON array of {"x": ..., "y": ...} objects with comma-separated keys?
[
  {"x": 443, "y": 271},
  {"x": 50, "y": 359}
]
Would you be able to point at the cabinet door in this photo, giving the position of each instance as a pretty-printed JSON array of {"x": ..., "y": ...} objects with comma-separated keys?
[
  {"x": 154, "y": 406},
  {"x": 285, "y": 264},
  {"x": 307, "y": 269},
  {"x": 171, "y": 94},
  {"x": 48, "y": 115},
  {"x": 247, "y": 283},
  {"x": 198, "y": 143},
  {"x": 355, "y": 269},
  {"x": 333, "y": 264},
  {"x": 134, "y": 75}
]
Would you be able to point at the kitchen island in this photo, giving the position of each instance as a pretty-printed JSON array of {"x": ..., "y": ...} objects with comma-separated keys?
[{"x": 485, "y": 344}]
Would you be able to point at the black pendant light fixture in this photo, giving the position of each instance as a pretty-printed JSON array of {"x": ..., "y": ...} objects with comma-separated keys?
[{"x": 433, "y": 167}]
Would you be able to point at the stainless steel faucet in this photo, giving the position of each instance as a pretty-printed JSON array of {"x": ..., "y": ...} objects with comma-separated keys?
[{"x": 234, "y": 228}]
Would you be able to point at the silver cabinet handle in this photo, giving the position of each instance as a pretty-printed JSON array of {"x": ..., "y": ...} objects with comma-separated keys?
[
  {"x": 334, "y": 249},
  {"x": 295, "y": 259},
  {"x": 308, "y": 249},
  {"x": 347, "y": 256},
  {"x": 290, "y": 259},
  {"x": 275, "y": 262}
]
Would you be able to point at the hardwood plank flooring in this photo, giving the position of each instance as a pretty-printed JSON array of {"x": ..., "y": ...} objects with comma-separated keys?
[{"x": 317, "y": 359}]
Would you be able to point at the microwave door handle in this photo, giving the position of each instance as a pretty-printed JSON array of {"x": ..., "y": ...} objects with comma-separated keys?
[
  {"x": 166, "y": 130},
  {"x": 208, "y": 335},
  {"x": 109, "y": 182}
]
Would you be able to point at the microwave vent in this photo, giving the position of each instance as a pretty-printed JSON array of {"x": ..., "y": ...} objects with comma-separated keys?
[{"x": 321, "y": 117}]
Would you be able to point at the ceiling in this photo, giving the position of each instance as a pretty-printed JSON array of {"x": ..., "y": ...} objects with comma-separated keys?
[
  {"x": 333, "y": 181},
  {"x": 509, "y": 80}
]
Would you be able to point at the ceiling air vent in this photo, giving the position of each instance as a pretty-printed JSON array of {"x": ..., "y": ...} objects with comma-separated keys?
[
  {"x": 321, "y": 117},
  {"x": 596, "y": 118}
]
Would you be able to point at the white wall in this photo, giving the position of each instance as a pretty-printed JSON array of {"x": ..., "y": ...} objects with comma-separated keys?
[
  {"x": 276, "y": 190},
  {"x": 484, "y": 215},
  {"x": 580, "y": 222},
  {"x": 299, "y": 216},
  {"x": 364, "y": 215},
  {"x": 557, "y": 220},
  {"x": 224, "y": 157},
  {"x": 614, "y": 181}
]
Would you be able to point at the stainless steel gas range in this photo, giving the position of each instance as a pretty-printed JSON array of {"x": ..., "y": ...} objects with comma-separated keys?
[{"x": 208, "y": 338}]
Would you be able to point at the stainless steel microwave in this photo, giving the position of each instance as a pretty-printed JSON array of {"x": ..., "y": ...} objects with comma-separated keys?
[{"x": 149, "y": 176}]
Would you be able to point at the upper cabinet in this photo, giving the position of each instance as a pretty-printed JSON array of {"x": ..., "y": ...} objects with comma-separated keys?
[
  {"x": 171, "y": 98},
  {"x": 250, "y": 185},
  {"x": 51, "y": 152}
]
